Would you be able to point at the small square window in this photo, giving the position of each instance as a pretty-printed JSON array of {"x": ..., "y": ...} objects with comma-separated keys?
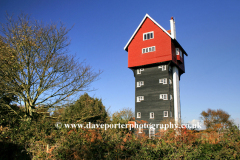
[
  {"x": 177, "y": 51},
  {"x": 140, "y": 83},
  {"x": 163, "y": 96},
  {"x": 143, "y": 50},
  {"x": 148, "y": 35},
  {"x": 140, "y": 98},
  {"x": 163, "y": 67},
  {"x": 151, "y": 115},
  {"x": 138, "y": 114},
  {"x": 163, "y": 80},
  {"x": 146, "y": 50},
  {"x": 150, "y": 49},
  {"x": 138, "y": 71},
  {"x": 153, "y": 48},
  {"x": 165, "y": 113}
]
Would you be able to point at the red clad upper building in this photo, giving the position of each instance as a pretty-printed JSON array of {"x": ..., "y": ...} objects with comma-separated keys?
[{"x": 164, "y": 42}]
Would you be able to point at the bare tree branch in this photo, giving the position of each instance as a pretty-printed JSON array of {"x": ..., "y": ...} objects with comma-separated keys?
[{"x": 42, "y": 71}]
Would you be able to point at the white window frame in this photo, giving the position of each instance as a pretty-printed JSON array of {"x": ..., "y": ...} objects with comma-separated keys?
[
  {"x": 147, "y": 34},
  {"x": 151, "y": 115},
  {"x": 164, "y": 67},
  {"x": 170, "y": 97},
  {"x": 165, "y": 113},
  {"x": 163, "y": 80},
  {"x": 164, "y": 96},
  {"x": 147, "y": 50},
  {"x": 170, "y": 81},
  {"x": 140, "y": 70},
  {"x": 140, "y": 83},
  {"x": 138, "y": 114},
  {"x": 177, "y": 51},
  {"x": 140, "y": 98},
  {"x": 151, "y": 132}
]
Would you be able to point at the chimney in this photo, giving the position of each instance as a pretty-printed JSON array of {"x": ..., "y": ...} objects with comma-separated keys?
[{"x": 173, "y": 28}]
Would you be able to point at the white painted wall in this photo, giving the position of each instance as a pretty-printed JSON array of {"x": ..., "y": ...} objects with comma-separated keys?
[{"x": 176, "y": 95}]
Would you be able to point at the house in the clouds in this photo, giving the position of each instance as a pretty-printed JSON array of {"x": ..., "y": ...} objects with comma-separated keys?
[{"x": 157, "y": 60}]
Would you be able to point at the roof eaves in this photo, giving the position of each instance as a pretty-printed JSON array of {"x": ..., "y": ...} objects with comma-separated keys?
[{"x": 146, "y": 16}]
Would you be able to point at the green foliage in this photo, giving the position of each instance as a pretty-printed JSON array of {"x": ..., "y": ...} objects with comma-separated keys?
[{"x": 86, "y": 109}]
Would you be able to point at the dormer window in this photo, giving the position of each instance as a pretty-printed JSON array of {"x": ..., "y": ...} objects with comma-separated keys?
[{"x": 148, "y": 35}]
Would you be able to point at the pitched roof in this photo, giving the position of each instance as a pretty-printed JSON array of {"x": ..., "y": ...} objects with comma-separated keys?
[{"x": 146, "y": 16}]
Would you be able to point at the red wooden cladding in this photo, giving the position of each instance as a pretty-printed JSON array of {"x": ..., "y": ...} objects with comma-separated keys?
[{"x": 164, "y": 47}]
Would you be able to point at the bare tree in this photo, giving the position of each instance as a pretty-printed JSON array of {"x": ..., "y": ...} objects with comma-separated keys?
[{"x": 42, "y": 72}]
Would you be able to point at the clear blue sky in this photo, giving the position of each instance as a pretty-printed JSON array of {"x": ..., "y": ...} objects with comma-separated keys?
[{"x": 207, "y": 30}]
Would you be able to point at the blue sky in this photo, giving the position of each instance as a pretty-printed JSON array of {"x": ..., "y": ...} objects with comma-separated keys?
[{"x": 207, "y": 30}]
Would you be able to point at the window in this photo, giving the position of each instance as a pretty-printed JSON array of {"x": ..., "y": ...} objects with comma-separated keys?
[
  {"x": 163, "y": 67},
  {"x": 163, "y": 80},
  {"x": 165, "y": 113},
  {"x": 148, "y": 35},
  {"x": 140, "y": 130},
  {"x": 177, "y": 51},
  {"x": 170, "y": 114},
  {"x": 170, "y": 81},
  {"x": 151, "y": 115},
  {"x": 149, "y": 49},
  {"x": 138, "y": 114},
  {"x": 170, "y": 69},
  {"x": 140, "y": 83},
  {"x": 163, "y": 96},
  {"x": 170, "y": 97},
  {"x": 151, "y": 132},
  {"x": 140, "y": 98},
  {"x": 140, "y": 70}
]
